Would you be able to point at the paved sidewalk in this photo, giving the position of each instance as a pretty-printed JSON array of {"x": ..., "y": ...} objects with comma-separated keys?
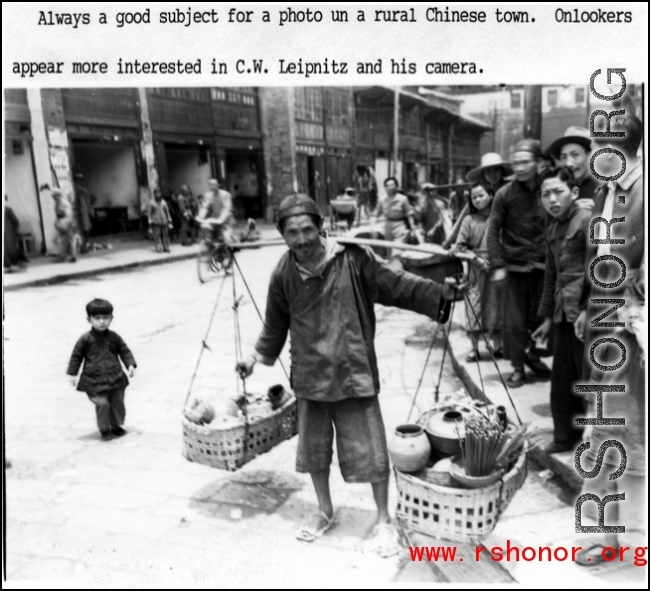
[
  {"x": 532, "y": 400},
  {"x": 123, "y": 252}
]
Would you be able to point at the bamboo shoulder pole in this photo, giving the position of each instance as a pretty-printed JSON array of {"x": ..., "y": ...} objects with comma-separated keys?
[
  {"x": 453, "y": 234},
  {"x": 427, "y": 248}
]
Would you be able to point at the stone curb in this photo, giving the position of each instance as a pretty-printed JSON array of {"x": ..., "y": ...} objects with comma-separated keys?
[
  {"x": 115, "y": 268},
  {"x": 567, "y": 473}
]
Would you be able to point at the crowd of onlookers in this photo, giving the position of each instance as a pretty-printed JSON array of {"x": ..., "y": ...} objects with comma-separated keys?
[{"x": 526, "y": 224}]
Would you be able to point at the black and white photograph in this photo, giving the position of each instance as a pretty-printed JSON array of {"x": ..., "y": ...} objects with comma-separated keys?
[{"x": 321, "y": 331}]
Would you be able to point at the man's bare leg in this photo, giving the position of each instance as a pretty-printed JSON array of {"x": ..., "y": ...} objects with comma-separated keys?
[
  {"x": 321, "y": 480},
  {"x": 380, "y": 492}
]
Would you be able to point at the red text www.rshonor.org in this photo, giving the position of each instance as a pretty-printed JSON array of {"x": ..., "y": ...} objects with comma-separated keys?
[{"x": 512, "y": 553}]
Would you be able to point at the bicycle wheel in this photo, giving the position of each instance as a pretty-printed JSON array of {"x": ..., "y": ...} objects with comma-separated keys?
[{"x": 204, "y": 262}]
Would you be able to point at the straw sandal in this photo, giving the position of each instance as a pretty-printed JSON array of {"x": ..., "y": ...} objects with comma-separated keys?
[
  {"x": 591, "y": 555},
  {"x": 515, "y": 381},
  {"x": 472, "y": 357},
  {"x": 307, "y": 533}
]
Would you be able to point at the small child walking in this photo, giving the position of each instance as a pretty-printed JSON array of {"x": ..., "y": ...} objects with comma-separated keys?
[
  {"x": 102, "y": 378},
  {"x": 484, "y": 309}
]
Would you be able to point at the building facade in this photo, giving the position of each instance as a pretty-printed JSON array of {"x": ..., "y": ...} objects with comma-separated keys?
[
  {"x": 21, "y": 182},
  {"x": 319, "y": 140},
  {"x": 502, "y": 108},
  {"x": 120, "y": 144}
]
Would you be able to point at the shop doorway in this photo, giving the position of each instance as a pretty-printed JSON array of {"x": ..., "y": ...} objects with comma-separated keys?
[
  {"x": 109, "y": 174},
  {"x": 243, "y": 181},
  {"x": 187, "y": 165}
]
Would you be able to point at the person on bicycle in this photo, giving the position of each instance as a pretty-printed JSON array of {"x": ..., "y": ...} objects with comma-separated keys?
[{"x": 216, "y": 213}]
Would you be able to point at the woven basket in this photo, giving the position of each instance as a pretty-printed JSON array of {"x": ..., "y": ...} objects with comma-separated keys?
[
  {"x": 228, "y": 449},
  {"x": 454, "y": 514}
]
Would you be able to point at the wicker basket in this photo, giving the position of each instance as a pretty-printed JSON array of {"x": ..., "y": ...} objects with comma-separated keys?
[
  {"x": 454, "y": 514},
  {"x": 228, "y": 449}
]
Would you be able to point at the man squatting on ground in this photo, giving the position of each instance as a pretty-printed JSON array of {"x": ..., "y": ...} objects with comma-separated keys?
[
  {"x": 102, "y": 378},
  {"x": 324, "y": 294}
]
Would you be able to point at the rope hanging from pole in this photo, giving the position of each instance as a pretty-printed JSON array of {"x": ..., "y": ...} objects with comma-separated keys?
[
  {"x": 286, "y": 374},
  {"x": 467, "y": 302},
  {"x": 444, "y": 351},
  {"x": 471, "y": 269},
  {"x": 424, "y": 369},
  {"x": 426, "y": 362},
  {"x": 238, "y": 349},
  {"x": 204, "y": 344}
]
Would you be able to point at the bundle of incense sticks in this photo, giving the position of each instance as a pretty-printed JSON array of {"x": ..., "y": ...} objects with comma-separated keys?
[
  {"x": 487, "y": 447},
  {"x": 483, "y": 442}
]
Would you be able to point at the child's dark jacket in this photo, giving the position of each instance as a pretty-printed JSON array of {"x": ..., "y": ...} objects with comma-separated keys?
[
  {"x": 100, "y": 353},
  {"x": 566, "y": 241}
]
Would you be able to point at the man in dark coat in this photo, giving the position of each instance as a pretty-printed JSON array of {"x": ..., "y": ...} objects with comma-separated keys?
[
  {"x": 517, "y": 252},
  {"x": 323, "y": 293},
  {"x": 13, "y": 249}
]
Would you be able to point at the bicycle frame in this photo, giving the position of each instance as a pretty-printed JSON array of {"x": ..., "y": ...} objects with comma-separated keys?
[{"x": 215, "y": 254}]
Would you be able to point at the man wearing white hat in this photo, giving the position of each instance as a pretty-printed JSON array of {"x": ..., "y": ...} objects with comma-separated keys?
[
  {"x": 493, "y": 170},
  {"x": 573, "y": 150}
]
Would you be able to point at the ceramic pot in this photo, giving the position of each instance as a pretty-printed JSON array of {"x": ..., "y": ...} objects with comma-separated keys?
[
  {"x": 409, "y": 448},
  {"x": 278, "y": 396},
  {"x": 445, "y": 426}
]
